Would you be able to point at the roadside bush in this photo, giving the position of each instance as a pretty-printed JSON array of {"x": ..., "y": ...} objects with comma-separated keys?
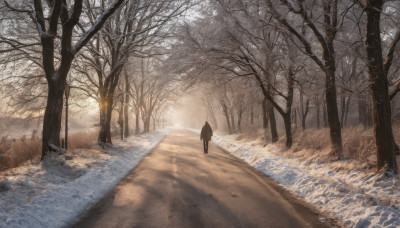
[
  {"x": 14, "y": 152},
  {"x": 82, "y": 140},
  {"x": 314, "y": 145}
]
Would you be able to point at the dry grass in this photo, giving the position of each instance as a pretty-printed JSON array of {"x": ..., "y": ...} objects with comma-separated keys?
[
  {"x": 14, "y": 152},
  {"x": 313, "y": 139},
  {"x": 251, "y": 133},
  {"x": 82, "y": 140},
  {"x": 358, "y": 143},
  {"x": 314, "y": 144}
]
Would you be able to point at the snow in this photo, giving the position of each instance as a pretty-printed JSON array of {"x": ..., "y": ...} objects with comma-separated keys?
[
  {"x": 51, "y": 195},
  {"x": 355, "y": 198}
]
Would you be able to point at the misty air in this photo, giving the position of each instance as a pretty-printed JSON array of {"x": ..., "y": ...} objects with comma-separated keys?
[{"x": 190, "y": 113}]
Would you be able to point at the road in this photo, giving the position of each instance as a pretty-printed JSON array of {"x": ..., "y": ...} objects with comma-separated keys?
[{"x": 177, "y": 185}]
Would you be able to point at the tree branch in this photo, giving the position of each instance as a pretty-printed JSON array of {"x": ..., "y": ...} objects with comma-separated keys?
[
  {"x": 389, "y": 56},
  {"x": 97, "y": 26}
]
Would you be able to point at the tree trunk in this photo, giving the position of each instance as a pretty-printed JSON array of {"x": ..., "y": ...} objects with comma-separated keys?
[
  {"x": 288, "y": 129},
  {"x": 240, "y": 112},
  {"x": 126, "y": 108},
  {"x": 252, "y": 116},
  {"x": 213, "y": 119},
  {"x": 317, "y": 109},
  {"x": 121, "y": 118},
  {"x": 105, "y": 127},
  {"x": 324, "y": 115},
  {"x": 103, "y": 117},
  {"x": 107, "y": 100},
  {"x": 137, "y": 123},
  {"x": 228, "y": 123},
  {"x": 301, "y": 108},
  {"x": 146, "y": 124},
  {"x": 379, "y": 90},
  {"x": 233, "y": 126},
  {"x": 108, "y": 122},
  {"x": 343, "y": 109},
  {"x": 346, "y": 114},
  {"x": 265, "y": 113},
  {"x": 226, "y": 114},
  {"x": 333, "y": 115},
  {"x": 271, "y": 105},
  {"x": 289, "y": 102},
  {"x": 272, "y": 121},
  {"x": 303, "y": 120},
  {"x": 52, "y": 115}
]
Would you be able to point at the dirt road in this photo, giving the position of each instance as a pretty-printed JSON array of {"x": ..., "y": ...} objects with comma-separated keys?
[{"x": 177, "y": 185}]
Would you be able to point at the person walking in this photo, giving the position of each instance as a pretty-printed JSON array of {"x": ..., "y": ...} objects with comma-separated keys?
[{"x": 205, "y": 135}]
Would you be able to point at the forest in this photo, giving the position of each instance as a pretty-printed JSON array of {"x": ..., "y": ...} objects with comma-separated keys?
[
  {"x": 285, "y": 66},
  {"x": 305, "y": 91}
]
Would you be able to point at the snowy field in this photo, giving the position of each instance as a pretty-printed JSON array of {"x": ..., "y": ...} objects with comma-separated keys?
[
  {"x": 55, "y": 195},
  {"x": 355, "y": 198}
]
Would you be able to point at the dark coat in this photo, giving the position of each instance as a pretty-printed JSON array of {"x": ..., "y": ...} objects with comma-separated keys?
[{"x": 206, "y": 132}]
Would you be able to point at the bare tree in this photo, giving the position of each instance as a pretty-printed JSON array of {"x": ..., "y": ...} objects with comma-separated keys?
[
  {"x": 208, "y": 102},
  {"x": 136, "y": 27},
  {"x": 47, "y": 16},
  {"x": 324, "y": 13},
  {"x": 378, "y": 71}
]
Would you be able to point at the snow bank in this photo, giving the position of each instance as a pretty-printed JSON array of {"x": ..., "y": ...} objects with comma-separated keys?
[
  {"x": 40, "y": 195},
  {"x": 356, "y": 198}
]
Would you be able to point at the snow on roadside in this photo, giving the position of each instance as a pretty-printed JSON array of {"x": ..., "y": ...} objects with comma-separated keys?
[
  {"x": 356, "y": 198},
  {"x": 37, "y": 195}
]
